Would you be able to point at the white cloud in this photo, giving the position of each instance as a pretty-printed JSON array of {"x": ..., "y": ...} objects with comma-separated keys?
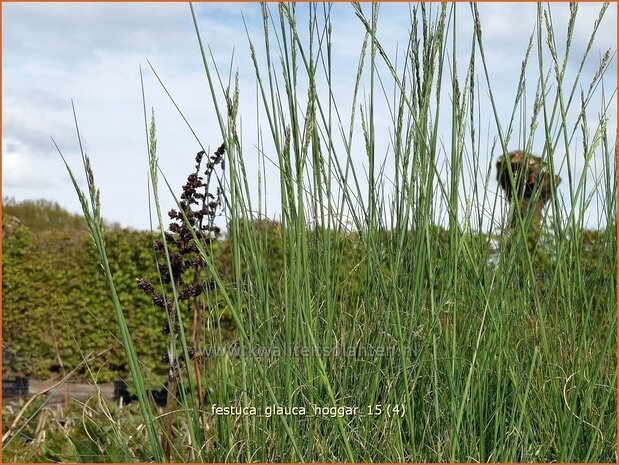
[{"x": 20, "y": 170}]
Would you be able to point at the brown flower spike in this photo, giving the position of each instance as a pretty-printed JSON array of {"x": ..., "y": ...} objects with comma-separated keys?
[{"x": 196, "y": 219}]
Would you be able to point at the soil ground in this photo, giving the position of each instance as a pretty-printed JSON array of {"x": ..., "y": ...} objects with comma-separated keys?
[{"x": 69, "y": 391}]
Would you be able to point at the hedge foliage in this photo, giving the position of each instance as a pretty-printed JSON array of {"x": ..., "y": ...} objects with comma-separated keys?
[{"x": 56, "y": 305}]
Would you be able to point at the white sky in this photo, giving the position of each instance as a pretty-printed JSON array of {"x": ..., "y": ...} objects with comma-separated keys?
[{"x": 90, "y": 52}]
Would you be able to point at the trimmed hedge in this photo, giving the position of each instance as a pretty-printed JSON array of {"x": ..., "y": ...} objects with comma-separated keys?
[{"x": 56, "y": 305}]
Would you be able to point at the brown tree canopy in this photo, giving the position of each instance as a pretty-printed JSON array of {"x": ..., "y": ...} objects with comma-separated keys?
[{"x": 530, "y": 173}]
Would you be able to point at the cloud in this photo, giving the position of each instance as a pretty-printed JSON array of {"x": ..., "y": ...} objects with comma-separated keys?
[
  {"x": 77, "y": 33},
  {"x": 20, "y": 170}
]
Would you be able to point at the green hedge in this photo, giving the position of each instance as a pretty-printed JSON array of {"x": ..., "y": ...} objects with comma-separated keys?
[{"x": 56, "y": 305}]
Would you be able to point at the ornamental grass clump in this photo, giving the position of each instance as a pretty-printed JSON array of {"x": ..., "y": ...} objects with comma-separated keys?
[{"x": 360, "y": 302}]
